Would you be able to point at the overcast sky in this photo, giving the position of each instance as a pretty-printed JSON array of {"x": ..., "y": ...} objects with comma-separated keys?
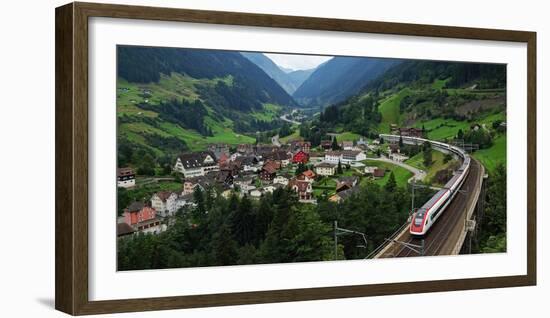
[{"x": 296, "y": 61}]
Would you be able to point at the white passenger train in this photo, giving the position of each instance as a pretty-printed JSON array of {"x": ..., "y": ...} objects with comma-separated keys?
[{"x": 425, "y": 217}]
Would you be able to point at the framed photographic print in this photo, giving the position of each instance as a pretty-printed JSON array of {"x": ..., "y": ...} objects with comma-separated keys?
[{"x": 219, "y": 158}]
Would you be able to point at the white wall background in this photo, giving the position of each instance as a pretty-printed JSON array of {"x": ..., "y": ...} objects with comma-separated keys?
[{"x": 27, "y": 157}]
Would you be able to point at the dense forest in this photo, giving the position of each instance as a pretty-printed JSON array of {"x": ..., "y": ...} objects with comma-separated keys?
[
  {"x": 275, "y": 229},
  {"x": 485, "y": 76},
  {"x": 492, "y": 230}
]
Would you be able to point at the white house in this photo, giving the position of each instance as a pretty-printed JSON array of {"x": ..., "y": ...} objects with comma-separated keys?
[
  {"x": 325, "y": 169},
  {"x": 333, "y": 157},
  {"x": 280, "y": 180},
  {"x": 126, "y": 178},
  {"x": 196, "y": 164},
  {"x": 165, "y": 203},
  {"x": 349, "y": 156}
]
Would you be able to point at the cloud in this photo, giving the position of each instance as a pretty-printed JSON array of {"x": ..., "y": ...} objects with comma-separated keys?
[{"x": 297, "y": 61}]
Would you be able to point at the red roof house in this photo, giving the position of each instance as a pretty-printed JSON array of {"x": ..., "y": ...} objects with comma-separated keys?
[{"x": 300, "y": 157}]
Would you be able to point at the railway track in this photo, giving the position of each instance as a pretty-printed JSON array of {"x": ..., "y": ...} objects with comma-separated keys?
[{"x": 436, "y": 240}]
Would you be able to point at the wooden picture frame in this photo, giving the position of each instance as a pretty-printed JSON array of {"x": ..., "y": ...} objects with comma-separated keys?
[{"x": 72, "y": 280}]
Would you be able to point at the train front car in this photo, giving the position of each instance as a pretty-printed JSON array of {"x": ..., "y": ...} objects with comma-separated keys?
[
  {"x": 418, "y": 224},
  {"x": 425, "y": 216}
]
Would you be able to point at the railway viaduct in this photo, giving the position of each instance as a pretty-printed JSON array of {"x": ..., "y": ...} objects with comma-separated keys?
[{"x": 452, "y": 233}]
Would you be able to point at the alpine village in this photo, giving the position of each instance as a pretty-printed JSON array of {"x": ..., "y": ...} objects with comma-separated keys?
[{"x": 227, "y": 158}]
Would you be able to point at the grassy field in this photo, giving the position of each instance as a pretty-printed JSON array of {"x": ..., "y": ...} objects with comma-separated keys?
[
  {"x": 294, "y": 136},
  {"x": 181, "y": 87},
  {"x": 348, "y": 136},
  {"x": 439, "y": 83},
  {"x": 402, "y": 175},
  {"x": 438, "y": 164},
  {"x": 269, "y": 112},
  {"x": 389, "y": 109},
  {"x": 439, "y": 128},
  {"x": 493, "y": 156}
]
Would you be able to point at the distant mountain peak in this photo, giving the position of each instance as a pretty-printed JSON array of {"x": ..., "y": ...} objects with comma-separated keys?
[{"x": 289, "y": 79}]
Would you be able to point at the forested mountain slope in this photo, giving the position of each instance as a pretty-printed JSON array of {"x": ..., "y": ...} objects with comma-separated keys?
[{"x": 339, "y": 78}]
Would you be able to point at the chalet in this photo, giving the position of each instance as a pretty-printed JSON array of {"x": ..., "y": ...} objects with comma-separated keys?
[
  {"x": 325, "y": 169},
  {"x": 326, "y": 144},
  {"x": 308, "y": 176},
  {"x": 300, "y": 145},
  {"x": 137, "y": 212},
  {"x": 269, "y": 171},
  {"x": 300, "y": 157},
  {"x": 333, "y": 157},
  {"x": 124, "y": 229},
  {"x": 126, "y": 178},
  {"x": 142, "y": 218},
  {"x": 195, "y": 164},
  {"x": 343, "y": 195},
  {"x": 351, "y": 181},
  {"x": 225, "y": 178},
  {"x": 379, "y": 172},
  {"x": 411, "y": 132},
  {"x": 303, "y": 189},
  {"x": 280, "y": 180},
  {"x": 349, "y": 156},
  {"x": 164, "y": 203},
  {"x": 279, "y": 156}
]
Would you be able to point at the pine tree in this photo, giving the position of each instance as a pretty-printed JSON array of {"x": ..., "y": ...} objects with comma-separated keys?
[
  {"x": 244, "y": 221},
  {"x": 339, "y": 169},
  {"x": 335, "y": 144},
  {"x": 224, "y": 246},
  {"x": 200, "y": 209},
  {"x": 391, "y": 184}
]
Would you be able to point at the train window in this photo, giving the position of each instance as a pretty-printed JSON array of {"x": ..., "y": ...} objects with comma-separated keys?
[{"x": 419, "y": 217}]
